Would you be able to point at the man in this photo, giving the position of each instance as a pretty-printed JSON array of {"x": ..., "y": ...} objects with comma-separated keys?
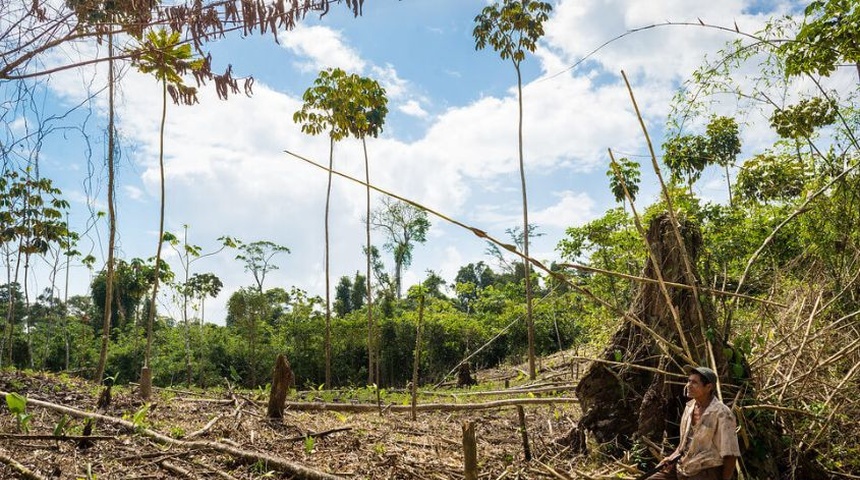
[{"x": 708, "y": 448}]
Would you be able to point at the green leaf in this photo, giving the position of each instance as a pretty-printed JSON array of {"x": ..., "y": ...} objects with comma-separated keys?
[
  {"x": 60, "y": 427},
  {"x": 17, "y": 403}
]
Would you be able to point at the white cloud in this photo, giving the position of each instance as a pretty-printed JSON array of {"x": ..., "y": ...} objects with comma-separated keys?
[
  {"x": 395, "y": 87},
  {"x": 321, "y": 48},
  {"x": 413, "y": 108},
  {"x": 571, "y": 209},
  {"x": 663, "y": 52},
  {"x": 133, "y": 192}
]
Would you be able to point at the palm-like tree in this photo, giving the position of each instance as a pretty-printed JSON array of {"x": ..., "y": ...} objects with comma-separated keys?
[
  {"x": 344, "y": 105},
  {"x": 512, "y": 28},
  {"x": 165, "y": 56}
]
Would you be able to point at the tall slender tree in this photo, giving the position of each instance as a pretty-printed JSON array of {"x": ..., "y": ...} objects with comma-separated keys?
[
  {"x": 344, "y": 105},
  {"x": 166, "y": 57},
  {"x": 512, "y": 28}
]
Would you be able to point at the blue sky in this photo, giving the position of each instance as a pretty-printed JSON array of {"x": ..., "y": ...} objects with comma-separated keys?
[{"x": 449, "y": 141}]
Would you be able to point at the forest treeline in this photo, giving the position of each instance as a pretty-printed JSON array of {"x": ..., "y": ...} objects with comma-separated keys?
[{"x": 56, "y": 335}]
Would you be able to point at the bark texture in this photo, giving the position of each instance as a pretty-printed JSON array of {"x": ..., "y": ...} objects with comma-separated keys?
[
  {"x": 464, "y": 376},
  {"x": 282, "y": 379}
]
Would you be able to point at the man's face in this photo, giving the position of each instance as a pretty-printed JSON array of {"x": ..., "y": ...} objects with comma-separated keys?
[{"x": 697, "y": 387}]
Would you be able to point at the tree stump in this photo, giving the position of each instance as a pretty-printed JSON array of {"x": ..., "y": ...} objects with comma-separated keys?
[
  {"x": 145, "y": 383},
  {"x": 464, "y": 376},
  {"x": 623, "y": 402},
  {"x": 282, "y": 379}
]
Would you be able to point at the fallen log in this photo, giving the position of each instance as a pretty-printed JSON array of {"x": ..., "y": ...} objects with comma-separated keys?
[
  {"x": 510, "y": 391},
  {"x": 427, "y": 407},
  {"x": 297, "y": 470}
]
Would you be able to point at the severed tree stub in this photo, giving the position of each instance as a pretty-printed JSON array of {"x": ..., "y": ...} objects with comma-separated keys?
[
  {"x": 635, "y": 390},
  {"x": 464, "y": 376},
  {"x": 282, "y": 379}
]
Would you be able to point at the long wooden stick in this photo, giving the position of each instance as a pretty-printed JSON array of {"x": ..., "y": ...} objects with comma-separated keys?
[
  {"x": 427, "y": 407},
  {"x": 635, "y": 278},
  {"x": 18, "y": 467},
  {"x": 521, "y": 416},
  {"x": 663, "y": 343},
  {"x": 317, "y": 434},
  {"x": 510, "y": 391},
  {"x": 59, "y": 438}
]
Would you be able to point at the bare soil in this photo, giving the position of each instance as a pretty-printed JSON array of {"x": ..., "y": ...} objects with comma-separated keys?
[{"x": 360, "y": 445}]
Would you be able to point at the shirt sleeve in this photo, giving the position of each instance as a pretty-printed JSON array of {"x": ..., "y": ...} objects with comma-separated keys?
[{"x": 727, "y": 441}]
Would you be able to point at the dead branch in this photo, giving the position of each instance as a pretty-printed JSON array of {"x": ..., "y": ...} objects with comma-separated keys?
[
  {"x": 63, "y": 438},
  {"x": 206, "y": 427},
  {"x": 15, "y": 465},
  {"x": 176, "y": 469},
  {"x": 215, "y": 471},
  {"x": 510, "y": 391},
  {"x": 636, "y": 278},
  {"x": 427, "y": 407},
  {"x": 317, "y": 434}
]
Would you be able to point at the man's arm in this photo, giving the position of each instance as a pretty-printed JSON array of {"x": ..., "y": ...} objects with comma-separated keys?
[{"x": 729, "y": 467}]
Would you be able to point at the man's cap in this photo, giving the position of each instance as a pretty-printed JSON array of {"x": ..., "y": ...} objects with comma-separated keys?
[{"x": 709, "y": 375}]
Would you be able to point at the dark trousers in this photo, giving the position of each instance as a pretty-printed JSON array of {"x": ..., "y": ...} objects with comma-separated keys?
[{"x": 672, "y": 474}]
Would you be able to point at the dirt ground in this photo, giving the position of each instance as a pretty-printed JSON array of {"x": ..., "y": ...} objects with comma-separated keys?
[{"x": 214, "y": 425}]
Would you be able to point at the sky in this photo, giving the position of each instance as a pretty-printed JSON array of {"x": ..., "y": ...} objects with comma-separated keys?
[{"x": 449, "y": 141}]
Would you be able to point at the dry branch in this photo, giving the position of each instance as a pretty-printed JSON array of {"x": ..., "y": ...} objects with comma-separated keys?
[
  {"x": 206, "y": 427},
  {"x": 636, "y": 278},
  {"x": 176, "y": 470},
  {"x": 470, "y": 452},
  {"x": 427, "y": 407},
  {"x": 15, "y": 465},
  {"x": 68, "y": 438},
  {"x": 317, "y": 434},
  {"x": 510, "y": 391}
]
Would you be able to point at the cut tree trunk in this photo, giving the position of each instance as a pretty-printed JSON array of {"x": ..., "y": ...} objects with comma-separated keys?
[
  {"x": 637, "y": 391},
  {"x": 464, "y": 376},
  {"x": 282, "y": 379}
]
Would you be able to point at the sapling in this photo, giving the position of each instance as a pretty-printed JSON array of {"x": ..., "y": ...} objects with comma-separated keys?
[{"x": 17, "y": 404}]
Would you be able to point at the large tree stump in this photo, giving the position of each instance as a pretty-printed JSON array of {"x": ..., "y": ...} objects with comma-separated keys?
[
  {"x": 282, "y": 379},
  {"x": 464, "y": 376},
  {"x": 636, "y": 389}
]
